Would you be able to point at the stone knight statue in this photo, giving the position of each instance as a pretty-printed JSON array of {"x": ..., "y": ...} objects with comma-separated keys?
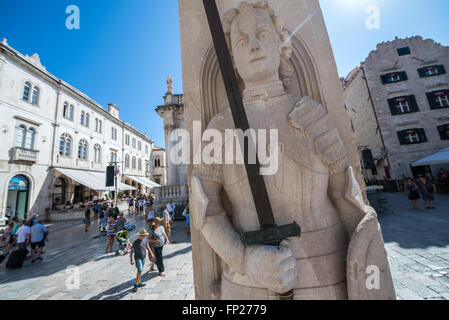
[{"x": 340, "y": 254}]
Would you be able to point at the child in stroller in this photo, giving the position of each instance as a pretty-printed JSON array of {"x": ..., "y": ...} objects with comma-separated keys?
[{"x": 124, "y": 244}]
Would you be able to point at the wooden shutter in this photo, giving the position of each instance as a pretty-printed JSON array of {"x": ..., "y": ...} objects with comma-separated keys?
[
  {"x": 412, "y": 103},
  {"x": 394, "y": 110},
  {"x": 441, "y": 69},
  {"x": 443, "y": 131},
  {"x": 401, "y": 136},
  {"x": 422, "y": 135},
  {"x": 403, "y": 75},
  {"x": 422, "y": 72},
  {"x": 383, "y": 78},
  {"x": 432, "y": 102}
]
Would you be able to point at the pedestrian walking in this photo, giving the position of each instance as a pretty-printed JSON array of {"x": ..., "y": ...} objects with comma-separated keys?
[
  {"x": 7, "y": 236},
  {"x": 86, "y": 220},
  {"x": 167, "y": 223},
  {"x": 427, "y": 188},
  {"x": 411, "y": 189},
  {"x": 186, "y": 214},
  {"x": 111, "y": 231},
  {"x": 141, "y": 205},
  {"x": 150, "y": 216},
  {"x": 171, "y": 207},
  {"x": 23, "y": 235},
  {"x": 96, "y": 209},
  {"x": 158, "y": 238},
  {"x": 138, "y": 250},
  {"x": 121, "y": 220},
  {"x": 130, "y": 204},
  {"x": 39, "y": 234}
]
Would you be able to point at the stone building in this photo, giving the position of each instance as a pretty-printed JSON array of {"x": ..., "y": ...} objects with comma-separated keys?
[
  {"x": 56, "y": 142},
  {"x": 405, "y": 83},
  {"x": 363, "y": 122},
  {"x": 158, "y": 166}
]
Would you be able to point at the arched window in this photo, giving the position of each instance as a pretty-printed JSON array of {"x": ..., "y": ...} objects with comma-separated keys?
[
  {"x": 139, "y": 164},
  {"x": 127, "y": 161},
  {"x": 65, "y": 145},
  {"x": 26, "y": 91},
  {"x": 97, "y": 153},
  {"x": 83, "y": 115},
  {"x": 134, "y": 162},
  {"x": 29, "y": 141},
  {"x": 82, "y": 149},
  {"x": 35, "y": 99},
  {"x": 113, "y": 157},
  {"x": 20, "y": 139},
  {"x": 71, "y": 112},
  {"x": 157, "y": 163}
]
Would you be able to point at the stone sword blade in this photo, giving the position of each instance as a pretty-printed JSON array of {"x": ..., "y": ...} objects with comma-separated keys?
[{"x": 256, "y": 181}]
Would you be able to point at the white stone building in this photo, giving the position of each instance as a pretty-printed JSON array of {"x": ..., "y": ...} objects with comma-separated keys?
[
  {"x": 159, "y": 168},
  {"x": 56, "y": 142},
  {"x": 405, "y": 83}
]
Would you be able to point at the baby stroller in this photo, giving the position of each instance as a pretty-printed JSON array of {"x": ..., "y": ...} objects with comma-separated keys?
[{"x": 124, "y": 244}]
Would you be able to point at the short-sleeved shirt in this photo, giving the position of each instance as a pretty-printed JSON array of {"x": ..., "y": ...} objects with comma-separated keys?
[
  {"x": 38, "y": 232},
  {"x": 171, "y": 207},
  {"x": 22, "y": 233},
  {"x": 158, "y": 234},
  {"x": 167, "y": 215},
  {"x": 140, "y": 248},
  {"x": 150, "y": 215},
  {"x": 15, "y": 228}
]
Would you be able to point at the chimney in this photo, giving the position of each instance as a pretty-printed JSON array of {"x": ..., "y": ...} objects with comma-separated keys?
[{"x": 113, "y": 110}]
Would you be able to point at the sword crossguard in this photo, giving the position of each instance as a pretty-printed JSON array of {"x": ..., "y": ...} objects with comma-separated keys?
[{"x": 271, "y": 235}]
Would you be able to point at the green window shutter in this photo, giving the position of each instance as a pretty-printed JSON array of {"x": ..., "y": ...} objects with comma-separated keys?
[
  {"x": 441, "y": 69},
  {"x": 422, "y": 135},
  {"x": 383, "y": 78},
  {"x": 394, "y": 110},
  {"x": 412, "y": 103},
  {"x": 431, "y": 98},
  {"x": 422, "y": 72},
  {"x": 403, "y": 75},
  {"x": 401, "y": 137}
]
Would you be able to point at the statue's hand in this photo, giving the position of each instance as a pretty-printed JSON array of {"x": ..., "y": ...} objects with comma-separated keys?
[{"x": 272, "y": 267}]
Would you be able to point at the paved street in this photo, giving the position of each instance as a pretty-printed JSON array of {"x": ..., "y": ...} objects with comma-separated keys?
[
  {"x": 101, "y": 276},
  {"x": 417, "y": 243}
]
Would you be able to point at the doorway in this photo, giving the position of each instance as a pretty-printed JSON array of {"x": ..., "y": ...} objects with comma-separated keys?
[{"x": 18, "y": 194}]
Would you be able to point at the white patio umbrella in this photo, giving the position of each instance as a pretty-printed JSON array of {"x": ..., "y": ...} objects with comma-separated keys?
[{"x": 437, "y": 158}]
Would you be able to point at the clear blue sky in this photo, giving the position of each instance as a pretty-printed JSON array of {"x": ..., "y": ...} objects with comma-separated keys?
[{"x": 125, "y": 49}]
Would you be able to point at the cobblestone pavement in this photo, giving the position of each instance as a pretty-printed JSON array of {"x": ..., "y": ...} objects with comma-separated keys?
[
  {"x": 417, "y": 243},
  {"x": 101, "y": 276}
]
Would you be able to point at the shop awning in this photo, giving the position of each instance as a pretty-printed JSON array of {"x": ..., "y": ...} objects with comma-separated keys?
[
  {"x": 437, "y": 158},
  {"x": 144, "y": 181},
  {"x": 92, "y": 179}
]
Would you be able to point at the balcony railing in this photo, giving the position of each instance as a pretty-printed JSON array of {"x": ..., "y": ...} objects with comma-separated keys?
[{"x": 24, "y": 155}]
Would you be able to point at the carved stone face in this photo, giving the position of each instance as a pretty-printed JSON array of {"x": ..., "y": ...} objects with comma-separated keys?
[{"x": 255, "y": 46}]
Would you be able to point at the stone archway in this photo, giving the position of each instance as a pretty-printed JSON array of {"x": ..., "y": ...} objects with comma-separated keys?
[{"x": 18, "y": 196}]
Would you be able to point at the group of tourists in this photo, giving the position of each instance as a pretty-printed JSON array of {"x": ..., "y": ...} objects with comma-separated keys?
[
  {"x": 140, "y": 204},
  {"x": 421, "y": 187},
  {"x": 28, "y": 234}
]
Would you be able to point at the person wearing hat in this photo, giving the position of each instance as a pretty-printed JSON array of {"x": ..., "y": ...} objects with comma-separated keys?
[
  {"x": 138, "y": 250},
  {"x": 158, "y": 239}
]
